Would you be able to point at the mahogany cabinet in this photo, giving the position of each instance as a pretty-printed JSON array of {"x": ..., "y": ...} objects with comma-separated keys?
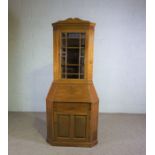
[{"x": 72, "y": 102}]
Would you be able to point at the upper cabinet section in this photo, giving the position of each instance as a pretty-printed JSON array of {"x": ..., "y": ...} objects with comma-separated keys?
[{"x": 73, "y": 49}]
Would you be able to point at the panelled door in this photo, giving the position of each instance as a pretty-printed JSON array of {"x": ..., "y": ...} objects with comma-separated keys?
[{"x": 71, "y": 121}]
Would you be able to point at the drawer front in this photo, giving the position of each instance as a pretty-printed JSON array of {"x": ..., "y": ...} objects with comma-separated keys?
[{"x": 72, "y": 107}]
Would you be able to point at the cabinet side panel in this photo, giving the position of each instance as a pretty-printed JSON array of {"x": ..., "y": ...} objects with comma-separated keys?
[
  {"x": 91, "y": 53},
  {"x": 94, "y": 121},
  {"x": 56, "y": 56},
  {"x": 49, "y": 120}
]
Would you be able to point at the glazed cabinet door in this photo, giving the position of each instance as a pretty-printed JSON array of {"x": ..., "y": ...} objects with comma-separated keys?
[{"x": 71, "y": 122}]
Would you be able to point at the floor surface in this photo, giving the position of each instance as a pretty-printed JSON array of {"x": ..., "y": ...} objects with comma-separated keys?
[{"x": 118, "y": 134}]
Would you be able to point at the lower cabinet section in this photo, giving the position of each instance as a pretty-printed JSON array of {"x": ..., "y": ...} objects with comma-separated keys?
[
  {"x": 70, "y": 122},
  {"x": 72, "y": 114}
]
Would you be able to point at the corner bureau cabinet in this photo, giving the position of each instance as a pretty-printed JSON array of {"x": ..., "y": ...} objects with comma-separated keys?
[{"x": 72, "y": 102}]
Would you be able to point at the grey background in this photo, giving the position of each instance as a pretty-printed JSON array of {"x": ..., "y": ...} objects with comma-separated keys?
[{"x": 119, "y": 54}]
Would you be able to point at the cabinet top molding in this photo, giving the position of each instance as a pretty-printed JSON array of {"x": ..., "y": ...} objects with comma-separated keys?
[{"x": 71, "y": 21}]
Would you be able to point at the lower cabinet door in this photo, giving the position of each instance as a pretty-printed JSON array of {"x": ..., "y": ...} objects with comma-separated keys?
[
  {"x": 62, "y": 125},
  {"x": 80, "y": 126},
  {"x": 70, "y": 127}
]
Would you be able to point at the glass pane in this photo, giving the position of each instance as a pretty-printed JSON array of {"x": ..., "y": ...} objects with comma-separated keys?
[
  {"x": 63, "y": 42},
  {"x": 72, "y": 69},
  {"x": 73, "y": 39},
  {"x": 82, "y": 61},
  {"x": 73, "y": 56},
  {"x": 62, "y": 60},
  {"x": 73, "y": 43},
  {"x": 73, "y": 35},
  {"x": 63, "y": 35},
  {"x": 63, "y": 69},
  {"x": 63, "y": 52},
  {"x": 81, "y": 69},
  {"x": 82, "y": 42},
  {"x": 82, "y": 51},
  {"x": 82, "y": 35},
  {"x": 72, "y": 76}
]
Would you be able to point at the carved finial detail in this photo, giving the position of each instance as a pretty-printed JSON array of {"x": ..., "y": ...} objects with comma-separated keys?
[{"x": 73, "y": 21}]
